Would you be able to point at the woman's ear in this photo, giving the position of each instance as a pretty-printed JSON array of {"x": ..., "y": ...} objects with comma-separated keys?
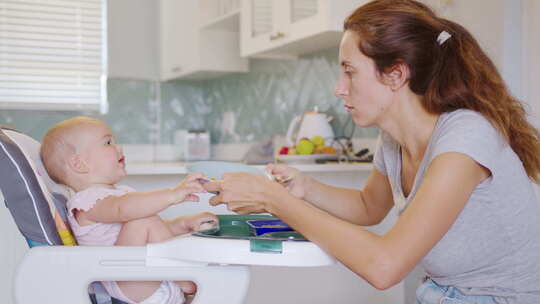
[
  {"x": 77, "y": 164},
  {"x": 397, "y": 76}
]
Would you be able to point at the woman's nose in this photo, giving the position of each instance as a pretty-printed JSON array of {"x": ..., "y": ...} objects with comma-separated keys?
[
  {"x": 119, "y": 148},
  {"x": 341, "y": 89}
]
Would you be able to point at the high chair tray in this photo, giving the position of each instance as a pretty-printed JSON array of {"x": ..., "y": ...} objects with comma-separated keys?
[
  {"x": 252, "y": 227},
  {"x": 236, "y": 243}
]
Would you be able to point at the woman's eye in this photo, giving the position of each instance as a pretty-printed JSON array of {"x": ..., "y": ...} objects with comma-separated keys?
[{"x": 109, "y": 142}]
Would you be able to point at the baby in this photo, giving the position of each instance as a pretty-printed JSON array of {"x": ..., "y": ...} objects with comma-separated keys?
[{"x": 82, "y": 154}]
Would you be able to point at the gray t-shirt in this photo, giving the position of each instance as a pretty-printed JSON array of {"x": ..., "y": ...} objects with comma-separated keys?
[{"x": 494, "y": 245}]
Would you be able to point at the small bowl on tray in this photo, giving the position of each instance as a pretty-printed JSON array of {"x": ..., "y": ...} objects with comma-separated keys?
[{"x": 260, "y": 227}]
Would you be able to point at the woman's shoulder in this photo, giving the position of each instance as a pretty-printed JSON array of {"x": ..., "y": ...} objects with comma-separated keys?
[
  {"x": 468, "y": 132},
  {"x": 467, "y": 124},
  {"x": 464, "y": 116}
]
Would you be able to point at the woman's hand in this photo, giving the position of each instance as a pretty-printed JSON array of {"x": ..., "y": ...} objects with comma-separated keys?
[
  {"x": 292, "y": 179},
  {"x": 246, "y": 192}
]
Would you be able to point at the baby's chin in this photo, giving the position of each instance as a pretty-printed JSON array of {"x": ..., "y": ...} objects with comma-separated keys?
[
  {"x": 117, "y": 179},
  {"x": 121, "y": 176}
]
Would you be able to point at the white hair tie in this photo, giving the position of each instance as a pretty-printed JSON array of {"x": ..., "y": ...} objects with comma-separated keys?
[{"x": 443, "y": 36}]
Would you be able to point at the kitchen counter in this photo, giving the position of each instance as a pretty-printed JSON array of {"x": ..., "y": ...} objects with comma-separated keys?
[{"x": 164, "y": 168}]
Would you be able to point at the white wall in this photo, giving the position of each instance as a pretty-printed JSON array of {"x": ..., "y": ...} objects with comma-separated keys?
[
  {"x": 531, "y": 58},
  {"x": 512, "y": 49},
  {"x": 133, "y": 43},
  {"x": 531, "y": 62},
  {"x": 483, "y": 18}
]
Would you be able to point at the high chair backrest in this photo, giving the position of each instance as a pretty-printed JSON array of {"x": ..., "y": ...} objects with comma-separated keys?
[{"x": 35, "y": 201}]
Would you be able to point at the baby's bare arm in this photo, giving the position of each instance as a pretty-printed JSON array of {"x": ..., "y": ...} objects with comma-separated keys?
[
  {"x": 136, "y": 205},
  {"x": 129, "y": 206}
]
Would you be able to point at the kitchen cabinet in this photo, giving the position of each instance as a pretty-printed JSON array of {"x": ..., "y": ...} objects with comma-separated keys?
[
  {"x": 288, "y": 28},
  {"x": 132, "y": 44},
  {"x": 199, "y": 39}
]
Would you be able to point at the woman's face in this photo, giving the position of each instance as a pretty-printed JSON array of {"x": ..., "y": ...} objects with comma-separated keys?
[{"x": 366, "y": 97}]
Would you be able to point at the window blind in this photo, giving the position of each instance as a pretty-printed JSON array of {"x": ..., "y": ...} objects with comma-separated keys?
[{"x": 53, "y": 54}]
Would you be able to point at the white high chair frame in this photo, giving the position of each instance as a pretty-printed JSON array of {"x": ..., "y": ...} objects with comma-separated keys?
[
  {"x": 74, "y": 268},
  {"x": 219, "y": 267}
]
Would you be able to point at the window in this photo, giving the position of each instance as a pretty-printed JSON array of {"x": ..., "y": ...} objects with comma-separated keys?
[{"x": 53, "y": 55}]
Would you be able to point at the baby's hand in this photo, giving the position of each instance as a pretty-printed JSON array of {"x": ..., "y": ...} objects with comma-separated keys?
[
  {"x": 204, "y": 182},
  {"x": 184, "y": 192}
]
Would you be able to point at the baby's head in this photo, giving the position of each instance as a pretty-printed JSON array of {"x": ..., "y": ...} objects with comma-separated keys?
[{"x": 81, "y": 152}]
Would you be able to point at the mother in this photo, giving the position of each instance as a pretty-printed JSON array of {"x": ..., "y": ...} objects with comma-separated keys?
[{"x": 456, "y": 156}]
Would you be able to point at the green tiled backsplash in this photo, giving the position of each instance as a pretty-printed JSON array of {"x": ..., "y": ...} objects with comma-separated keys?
[{"x": 237, "y": 108}]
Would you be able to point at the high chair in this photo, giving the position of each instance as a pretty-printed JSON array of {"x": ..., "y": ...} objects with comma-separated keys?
[{"x": 55, "y": 270}]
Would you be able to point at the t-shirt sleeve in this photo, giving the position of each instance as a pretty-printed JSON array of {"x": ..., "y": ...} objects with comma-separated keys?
[
  {"x": 378, "y": 157},
  {"x": 86, "y": 199},
  {"x": 125, "y": 188},
  {"x": 471, "y": 134}
]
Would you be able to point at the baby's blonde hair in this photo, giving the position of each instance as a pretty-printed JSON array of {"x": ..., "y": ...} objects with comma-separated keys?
[{"x": 58, "y": 146}]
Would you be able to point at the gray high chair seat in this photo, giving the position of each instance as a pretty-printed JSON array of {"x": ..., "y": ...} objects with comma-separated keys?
[{"x": 52, "y": 272}]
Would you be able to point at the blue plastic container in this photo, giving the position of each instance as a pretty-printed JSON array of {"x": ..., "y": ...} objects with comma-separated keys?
[{"x": 259, "y": 227}]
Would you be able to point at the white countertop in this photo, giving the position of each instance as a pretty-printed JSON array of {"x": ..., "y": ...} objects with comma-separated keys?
[{"x": 161, "y": 168}]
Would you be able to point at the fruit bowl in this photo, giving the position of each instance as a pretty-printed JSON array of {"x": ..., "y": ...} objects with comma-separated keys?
[
  {"x": 303, "y": 158},
  {"x": 306, "y": 151}
]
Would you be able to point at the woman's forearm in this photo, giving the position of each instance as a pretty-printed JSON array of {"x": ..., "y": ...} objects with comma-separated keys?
[
  {"x": 364, "y": 252},
  {"x": 347, "y": 204}
]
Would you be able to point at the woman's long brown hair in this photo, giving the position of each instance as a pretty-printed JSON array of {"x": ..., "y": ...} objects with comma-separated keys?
[{"x": 456, "y": 74}]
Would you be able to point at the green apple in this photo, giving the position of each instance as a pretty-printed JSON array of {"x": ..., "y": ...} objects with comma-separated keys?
[
  {"x": 305, "y": 146},
  {"x": 317, "y": 140}
]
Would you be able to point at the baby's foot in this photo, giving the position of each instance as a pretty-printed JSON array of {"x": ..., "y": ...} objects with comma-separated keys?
[
  {"x": 196, "y": 222},
  {"x": 203, "y": 221},
  {"x": 188, "y": 287},
  {"x": 178, "y": 225},
  {"x": 209, "y": 225}
]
